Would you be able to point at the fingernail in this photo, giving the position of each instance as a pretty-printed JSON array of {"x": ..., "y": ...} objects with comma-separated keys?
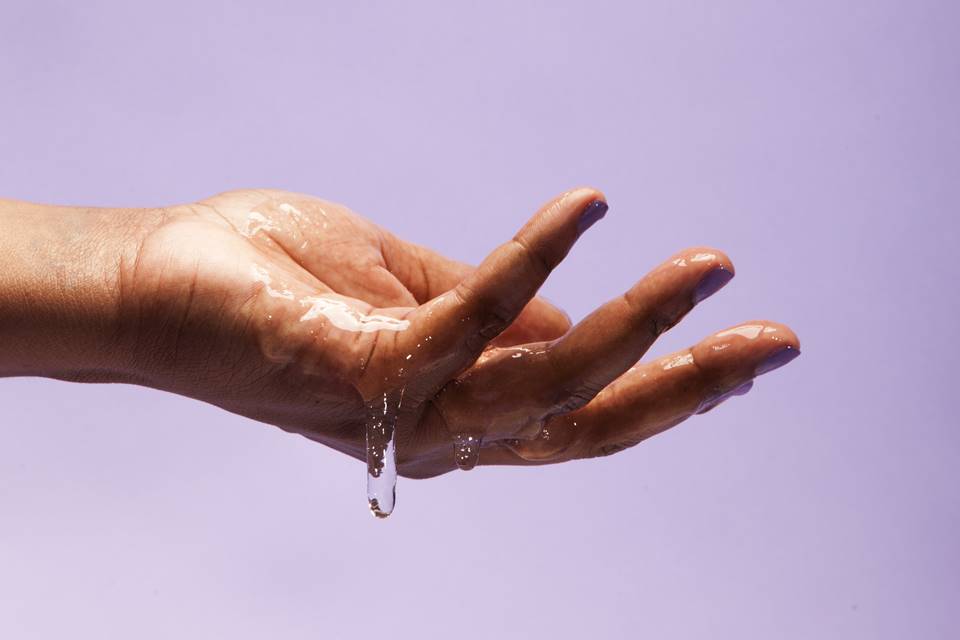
[
  {"x": 742, "y": 389},
  {"x": 777, "y": 360},
  {"x": 711, "y": 283},
  {"x": 594, "y": 211}
]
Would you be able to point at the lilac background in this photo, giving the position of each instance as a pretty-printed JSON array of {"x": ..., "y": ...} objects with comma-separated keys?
[{"x": 816, "y": 142}]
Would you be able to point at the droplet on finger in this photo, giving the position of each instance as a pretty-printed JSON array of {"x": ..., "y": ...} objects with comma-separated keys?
[{"x": 466, "y": 450}]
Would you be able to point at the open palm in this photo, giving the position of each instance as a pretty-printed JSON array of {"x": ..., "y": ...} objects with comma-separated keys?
[{"x": 300, "y": 313}]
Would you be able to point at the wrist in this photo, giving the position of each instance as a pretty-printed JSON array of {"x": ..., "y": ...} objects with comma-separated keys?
[{"x": 61, "y": 289}]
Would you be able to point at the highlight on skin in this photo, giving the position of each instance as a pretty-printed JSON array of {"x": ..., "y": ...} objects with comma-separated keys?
[{"x": 298, "y": 312}]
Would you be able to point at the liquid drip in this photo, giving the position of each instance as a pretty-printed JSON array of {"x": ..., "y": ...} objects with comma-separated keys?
[
  {"x": 382, "y": 456},
  {"x": 466, "y": 450}
]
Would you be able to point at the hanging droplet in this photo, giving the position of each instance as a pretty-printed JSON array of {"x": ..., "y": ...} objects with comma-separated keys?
[
  {"x": 381, "y": 457},
  {"x": 466, "y": 450}
]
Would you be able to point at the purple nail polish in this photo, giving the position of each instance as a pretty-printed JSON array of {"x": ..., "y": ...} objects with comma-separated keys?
[
  {"x": 777, "y": 360},
  {"x": 594, "y": 211},
  {"x": 710, "y": 284},
  {"x": 742, "y": 389}
]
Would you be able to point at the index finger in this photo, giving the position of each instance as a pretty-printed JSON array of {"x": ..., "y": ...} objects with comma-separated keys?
[
  {"x": 428, "y": 274},
  {"x": 452, "y": 329}
]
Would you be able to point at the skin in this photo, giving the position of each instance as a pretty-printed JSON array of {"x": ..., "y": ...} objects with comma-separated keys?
[{"x": 211, "y": 300}]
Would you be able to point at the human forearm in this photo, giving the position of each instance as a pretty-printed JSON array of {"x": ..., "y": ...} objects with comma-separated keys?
[
  {"x": 296, "y": 311},
  {"x": 60, "y": 288}
]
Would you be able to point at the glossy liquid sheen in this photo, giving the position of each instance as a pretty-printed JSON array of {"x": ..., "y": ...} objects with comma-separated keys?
[
  {"x": 381, "y": 417},
  {"x": 466, "y": 450},
  {"x": 381, "y": 430}
]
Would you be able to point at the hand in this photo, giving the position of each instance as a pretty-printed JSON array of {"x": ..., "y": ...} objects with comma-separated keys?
[{"x": 297, "y": 312}]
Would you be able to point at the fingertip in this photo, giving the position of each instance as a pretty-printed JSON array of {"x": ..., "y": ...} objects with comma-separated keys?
[
  {"x": 591, "y": 214},
  {"x": 783, "y": 347},
  {"x": 778, "y": 333},
  {"x": 592, "y": 203},
  {"x": 708, "y": 257},
  {"x": 555, "y": 228},
  {"x": 713, "y": 281},
  {"x": 777, "y": 359},
  {"x": 720, "y": 259},
  {"x": 759, "y": 345},
  {"x": 586, "y": 193},
  {"x": 581, "y": 207},
  {"x": 716, "y": 268},
  {"x": 766, "y": 331},
  {"x": 701, "y": 271}
]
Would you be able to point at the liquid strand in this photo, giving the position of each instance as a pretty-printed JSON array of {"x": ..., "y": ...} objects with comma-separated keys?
[{"x": 381, "y": 457}]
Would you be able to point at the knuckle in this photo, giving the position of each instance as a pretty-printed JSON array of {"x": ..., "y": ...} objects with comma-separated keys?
[
  {"x": 660, "y": 321},
  {"x": 536, "y": 258},
  {"x": 656, "y": 317},
  {"x": 495, "y": 321}
]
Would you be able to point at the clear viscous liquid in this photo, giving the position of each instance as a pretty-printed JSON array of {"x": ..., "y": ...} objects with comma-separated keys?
[
  {"x": 381, "y": 429},
  {"x": 381, "y": 450},
  {"x": 466, "y": 450}
]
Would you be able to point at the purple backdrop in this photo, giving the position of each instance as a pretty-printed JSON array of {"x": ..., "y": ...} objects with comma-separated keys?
[{"x": 817, "y": 143}]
